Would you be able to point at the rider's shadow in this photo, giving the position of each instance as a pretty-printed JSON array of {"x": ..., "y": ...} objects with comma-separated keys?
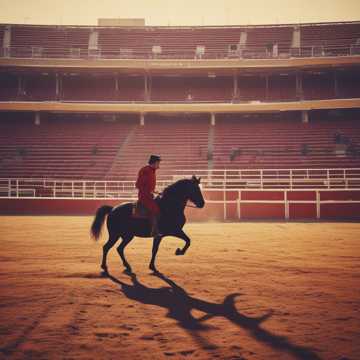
[{"x": 180, "y": 304}]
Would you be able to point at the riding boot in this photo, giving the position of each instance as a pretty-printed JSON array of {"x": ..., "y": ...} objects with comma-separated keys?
[{"x": 154, "y": 226}]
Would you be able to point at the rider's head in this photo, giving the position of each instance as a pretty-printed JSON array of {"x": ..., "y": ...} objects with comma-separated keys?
[{"x": 154, "y": 161}]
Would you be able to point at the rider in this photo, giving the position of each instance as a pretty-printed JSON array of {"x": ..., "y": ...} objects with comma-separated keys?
[{"x": 146, "y": 183}]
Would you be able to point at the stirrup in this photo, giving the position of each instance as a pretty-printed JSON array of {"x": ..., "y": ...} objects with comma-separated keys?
[
  {"x": 157, "y": 235},
  {"x": 153, "y": 234}
]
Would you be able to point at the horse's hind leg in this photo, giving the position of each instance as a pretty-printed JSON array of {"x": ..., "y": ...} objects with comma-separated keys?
[
  {"x": 120, "y": 250},
  {"x": 108, "y": 245},
  {"x": 156, "y": 243}
]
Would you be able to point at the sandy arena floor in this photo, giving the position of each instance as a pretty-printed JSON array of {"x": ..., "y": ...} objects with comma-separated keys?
[{"x": 242, "y": 291}]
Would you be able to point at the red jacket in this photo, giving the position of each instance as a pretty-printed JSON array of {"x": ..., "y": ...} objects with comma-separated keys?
[{"x": 146, "y": 181}]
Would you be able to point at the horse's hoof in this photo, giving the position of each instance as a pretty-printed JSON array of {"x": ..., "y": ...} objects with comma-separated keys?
[
  {"x": 179, "y": 252},
  {"x": 104, "y": 273},
  {"x": 127, "y": 271},
  {"x": 153, "y": 268}
]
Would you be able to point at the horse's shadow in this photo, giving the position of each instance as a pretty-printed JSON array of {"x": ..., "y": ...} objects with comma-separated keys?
[{"x": 180, "y": 304}]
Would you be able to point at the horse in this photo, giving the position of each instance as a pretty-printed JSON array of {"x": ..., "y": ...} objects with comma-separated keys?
[{"x": 122, "y": 223}]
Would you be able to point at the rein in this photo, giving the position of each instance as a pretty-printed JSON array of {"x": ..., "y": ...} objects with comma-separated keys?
[
  {"x": 193, "y": 206},
  {"x": 189, "y": 205}
]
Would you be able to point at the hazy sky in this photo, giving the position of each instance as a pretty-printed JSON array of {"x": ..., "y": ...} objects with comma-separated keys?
[{"x": 180, "y": 12}]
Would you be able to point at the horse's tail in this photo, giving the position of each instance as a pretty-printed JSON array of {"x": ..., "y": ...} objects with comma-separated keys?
[{"x": 99, "y": 220}]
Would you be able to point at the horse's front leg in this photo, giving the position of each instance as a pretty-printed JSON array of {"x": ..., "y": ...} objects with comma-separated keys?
[{"x": 183, "y": 236}]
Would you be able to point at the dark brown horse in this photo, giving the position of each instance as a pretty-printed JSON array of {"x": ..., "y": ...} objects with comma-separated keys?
[{"x": 121, "y": 223}]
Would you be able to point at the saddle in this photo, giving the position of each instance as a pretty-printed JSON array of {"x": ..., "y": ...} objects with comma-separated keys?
[{"x": 139, "y": 211}]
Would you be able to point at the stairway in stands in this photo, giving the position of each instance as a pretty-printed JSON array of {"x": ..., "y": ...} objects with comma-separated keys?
[
  {"x": 61, "y": 147},
  {"x": 181, "y": 142}
]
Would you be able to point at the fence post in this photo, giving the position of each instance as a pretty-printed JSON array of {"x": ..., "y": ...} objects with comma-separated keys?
[
  {"x": 286, "y": 203},
  {"x": 317, "y": 204},
  {"x": 224, "y": 198},
  {"x": 9, "y": 187}
]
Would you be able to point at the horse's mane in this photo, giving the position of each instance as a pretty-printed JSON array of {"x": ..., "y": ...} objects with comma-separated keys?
[{"x": 173, "y": 188}]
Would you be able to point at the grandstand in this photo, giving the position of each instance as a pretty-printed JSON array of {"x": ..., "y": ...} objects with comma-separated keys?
[{"x": 247, "y": 107}]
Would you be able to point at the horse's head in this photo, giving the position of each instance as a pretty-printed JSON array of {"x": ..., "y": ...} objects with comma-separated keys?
[
  {"x": 184, "y": 190},
  {"x": 194, "y": 192}
]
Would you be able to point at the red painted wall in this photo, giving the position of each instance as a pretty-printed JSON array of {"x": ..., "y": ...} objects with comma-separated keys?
[
  {"x": 302, "y": 211},
  {"x": 301, "y": 195},
  {"x": 51, "y": 206},
  {"x": 262, "y": 195},
  {"x": 212, "y": 211},
  {"x": 262, "y": 211},
  {"x": 340, "y": 211}
]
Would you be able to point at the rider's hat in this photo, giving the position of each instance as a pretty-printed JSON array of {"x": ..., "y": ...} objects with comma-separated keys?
[{"x": 154, "y": 158}]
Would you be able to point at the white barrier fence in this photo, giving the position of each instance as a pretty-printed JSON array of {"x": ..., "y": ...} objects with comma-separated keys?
[
  {"x": 219, "y": 179},
  {"x": 285, "y": 202}
]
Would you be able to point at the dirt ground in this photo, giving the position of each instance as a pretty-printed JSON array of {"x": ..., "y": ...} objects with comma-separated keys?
[{"x": 242, "y": 291}]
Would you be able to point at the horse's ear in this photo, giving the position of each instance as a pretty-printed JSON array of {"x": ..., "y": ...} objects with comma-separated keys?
[
  {"x": 199, "y": 179},
  {"x": 195, "y": 179}
]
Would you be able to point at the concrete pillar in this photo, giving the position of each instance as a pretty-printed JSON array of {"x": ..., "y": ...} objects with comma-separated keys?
[
  {"x": 304, "y": 116},
  {"x": 296, "y": 37},
  {"x": 19, "y": 89},
  {"x": 145, "y": 88},
  {"x": 266, "y": 86},
  {"x": 299, "y": 88},
  {"x": 6, "y": 44},
  {"x": 142, "y": 119},
  {"x": 60, "y": 85},
  {"x": 116, "y": 83},
  {"x": 57, "y": 86},
  {"x": 37, "y": 119},
  {"x": 336, "y": 85},
  {"x": 93, "y": 40},
  {"x": 213, "y": 119},
  {"x": 235, "y": 86}
]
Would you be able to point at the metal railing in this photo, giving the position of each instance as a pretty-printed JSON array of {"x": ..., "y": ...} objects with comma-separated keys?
[
  {"x": 216, "y": 179},
  {"x": 77, "y": 189},
  {"x": 276, "y": 178},
  {"x": 249, "y": 52}
]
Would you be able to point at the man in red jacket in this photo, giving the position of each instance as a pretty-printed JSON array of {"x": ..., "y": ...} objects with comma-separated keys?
[{"x": 146, "y": 183}]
